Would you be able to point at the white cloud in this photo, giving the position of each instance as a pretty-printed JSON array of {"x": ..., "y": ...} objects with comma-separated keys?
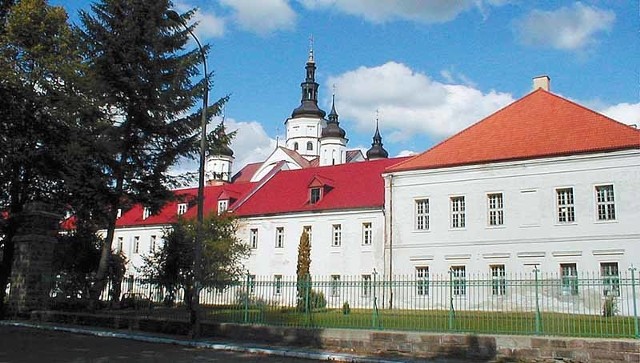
[
  {"x": 251, "y": 144},
  {"x": 410, "y": 103},
  {"x": 433, "y": 11},
  {"x": 627, "y": 113},
  {"x": 209, "y": 23},
  {"x": 567, "y": 28},
  {"x": 264, "y": 16},
  {"x": 406, "y": 153}
]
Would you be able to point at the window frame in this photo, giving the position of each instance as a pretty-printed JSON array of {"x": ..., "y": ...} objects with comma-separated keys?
[
  {"x": 495, "y": 209},
  {"x": 422, "y": 280},
  {"x": 565, "y": 205},
  {"x": 367, "y": 284},
  {"x": 309, "y": 146},
  {"x": 458, "y": 212},
  {"x": 610, "y": 274},
  {"x": 223, "y": 205},
  {"x": 277, "y": 284},
  {"x": 336, "y": 235},
  {"x": 569, "y": 281},
  {"x": 498, "y": 279},
  {"x": 313, "y": 199},
  {"x": 367, "y": 233},
  {"x": 152, "y": 243},
  {"x": 253, "y": 238},
  {"x": 335, "y": 285},
  {"x": 182, "y": 208},
  {"x": 458, "y": 280},
  {"x": 605, "y": 206},
  {"x": 279, "y": 237},
  {"x": 136, "y": 244},
  {"x": 421, "y": 210}
]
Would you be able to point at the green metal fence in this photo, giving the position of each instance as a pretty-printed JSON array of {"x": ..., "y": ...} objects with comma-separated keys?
[{"x": 536, "y": 303}]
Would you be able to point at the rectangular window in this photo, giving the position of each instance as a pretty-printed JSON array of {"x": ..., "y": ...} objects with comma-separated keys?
[
  {"x": 610, "y": 278},
  {"x": 277, "y": 284},
  {"x": 251, "y": 284},
  {"x": 569, "y": 275},
  {"x": 152, "y": 244},
  {"x": 146, "y": 212},
  {"x": 457, "y": 212},
  {"x": 279, "y": 237},
  {"x": 605, "y": 204},
  {"x": 422, "y": 280},
  {"x": 367, "y": 233},
  {"x": 335, "y": 285},
  {"x": 496, "y": 209},
  {"x": 459, "y": 280},
  {"x": 315, "y": 195},
  {"x": 498, "y": 280},
  {"x": 566, "y": 208},
  {"x": 182, "y": 208},
  {"x": 366, "y": 285},
  {"x": 308, "y": 230},
  {"x": 120, "y": 244},
  {"x": 253, "y": 238},
  {"x": 336, "y": 240},
  {"x": 222, "y": 206},
  {"x": 422, "y": 214},
  {"x": 136, "y": 244}
]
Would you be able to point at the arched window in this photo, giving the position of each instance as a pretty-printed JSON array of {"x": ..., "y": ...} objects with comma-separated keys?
[
  {"x": 310, "y": 146},
  {"x": 295, "y": 146}
]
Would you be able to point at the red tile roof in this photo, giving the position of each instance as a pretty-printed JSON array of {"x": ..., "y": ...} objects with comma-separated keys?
[
  {"x": 540, "y": 124},
  {"x": 246, "y": 173},
  {"x": 352, "y": 186},
  {"x": 168, "y": 213}
]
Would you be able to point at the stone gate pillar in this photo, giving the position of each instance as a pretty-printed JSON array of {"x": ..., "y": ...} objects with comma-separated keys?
[{"x": 31, "y": 273}]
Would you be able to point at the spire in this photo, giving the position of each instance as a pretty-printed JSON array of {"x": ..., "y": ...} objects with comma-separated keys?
[
  {"x": 222, "y": 137},
  {"x": 333, "y": 128},
  {"x": 309, "y": 102},
  {"x": 377, "y": 151}
]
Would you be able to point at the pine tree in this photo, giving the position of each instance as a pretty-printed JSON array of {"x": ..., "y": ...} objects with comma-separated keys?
[{"x": 143, "y": 80}]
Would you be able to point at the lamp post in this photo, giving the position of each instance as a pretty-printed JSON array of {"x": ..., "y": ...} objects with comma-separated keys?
[{"x": 197, "y": 252}]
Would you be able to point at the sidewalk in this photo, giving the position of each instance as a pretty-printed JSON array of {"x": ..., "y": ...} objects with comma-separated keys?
[{"x": 290, "y": 352}]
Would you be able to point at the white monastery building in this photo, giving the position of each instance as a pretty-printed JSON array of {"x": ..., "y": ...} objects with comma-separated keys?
[{"x": 543, "y": 184}]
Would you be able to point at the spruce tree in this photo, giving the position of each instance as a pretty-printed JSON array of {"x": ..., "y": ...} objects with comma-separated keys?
[{"x": 143, "y": 79}]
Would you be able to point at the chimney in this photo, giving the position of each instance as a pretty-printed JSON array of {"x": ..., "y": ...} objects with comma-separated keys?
[{"x": 541, "y": 82}]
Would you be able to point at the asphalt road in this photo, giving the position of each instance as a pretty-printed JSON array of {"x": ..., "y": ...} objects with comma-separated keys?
[{"x": 24, "y": 345}]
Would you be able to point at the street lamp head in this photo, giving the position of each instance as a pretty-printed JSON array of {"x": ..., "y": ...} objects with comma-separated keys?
[{"x": 173, "y": 15}]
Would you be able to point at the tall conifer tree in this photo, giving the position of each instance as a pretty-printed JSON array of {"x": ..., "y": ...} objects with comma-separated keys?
[{"x": 143, "y": 78}]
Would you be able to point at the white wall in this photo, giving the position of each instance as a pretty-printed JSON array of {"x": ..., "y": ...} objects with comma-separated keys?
[{"x": 530, "y": 234}]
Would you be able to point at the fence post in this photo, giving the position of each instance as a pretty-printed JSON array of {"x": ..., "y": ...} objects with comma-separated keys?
[
  {"x": 538, "y": 316},
  {"x": 635, "y": 302},
  {"x": 452, "y": 312},
  {"x": 307, "y": 305},
  {"x": 374, "y": 312},
  {"x": 246, "y": 299}
]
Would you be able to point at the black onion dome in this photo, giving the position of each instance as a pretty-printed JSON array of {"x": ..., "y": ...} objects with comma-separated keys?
[
  {"x": 333, "y": 128},
  {"x": 309, "y": 101},
  {"x": 377, "y": 151}
]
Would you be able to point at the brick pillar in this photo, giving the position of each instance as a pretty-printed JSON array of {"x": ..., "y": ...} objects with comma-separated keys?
[{"x": 31, "y": 274}]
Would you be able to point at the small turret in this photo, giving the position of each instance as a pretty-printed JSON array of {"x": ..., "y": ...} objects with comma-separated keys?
[{"x": 377, "y": 151}]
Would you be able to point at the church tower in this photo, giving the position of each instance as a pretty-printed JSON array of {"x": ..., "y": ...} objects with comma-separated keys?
[
  {"x": 304, "y": 127},
  {"x": 333, "y": 143},
  {"x": 218, "y": 165}
]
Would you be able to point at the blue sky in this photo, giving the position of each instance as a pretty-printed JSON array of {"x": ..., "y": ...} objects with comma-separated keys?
[{"x": 429, "y": 68}]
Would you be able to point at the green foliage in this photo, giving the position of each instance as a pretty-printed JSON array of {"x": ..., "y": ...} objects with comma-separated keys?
[
  {"x": 222, "y": 253},
  {"x": 75, "y": 262},
  {"x": 303, "y": 267},
  {"x": 346, "y": 309},
  {"x": 317, "y": 301}
]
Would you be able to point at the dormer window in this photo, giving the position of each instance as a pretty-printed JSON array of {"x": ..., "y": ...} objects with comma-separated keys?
[
  {"x": 119, "y": 213},
  {"x": 315, "y": 195},
  {"x": 146, "y": 213},
  {"x": 182, "y": 208},
  {"x": 223, "y": 205}
]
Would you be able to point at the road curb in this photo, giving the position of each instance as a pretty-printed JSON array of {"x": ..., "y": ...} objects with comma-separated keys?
[{"x": 282, "y": 352}]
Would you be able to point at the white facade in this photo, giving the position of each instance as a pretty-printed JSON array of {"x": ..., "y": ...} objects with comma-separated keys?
[
  {"x": 531, "y": 233},
  {"x": 137, "y": 242},
  {"x": 218, "y": 167},
  {"x": 333, "y": 151}
]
